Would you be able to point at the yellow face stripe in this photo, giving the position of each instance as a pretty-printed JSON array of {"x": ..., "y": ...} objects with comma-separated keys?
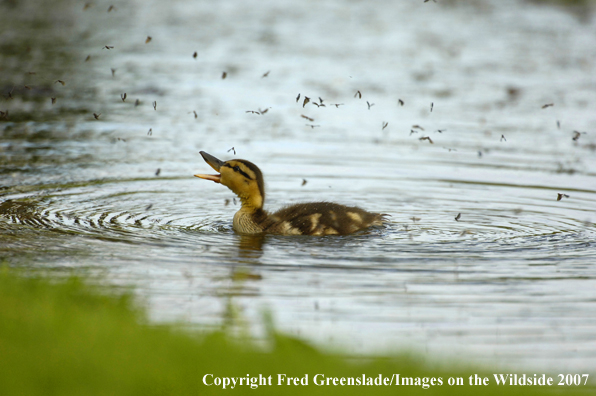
[
  {"x": 249, "y": 171},
  {"x": 241, "y": 169}
]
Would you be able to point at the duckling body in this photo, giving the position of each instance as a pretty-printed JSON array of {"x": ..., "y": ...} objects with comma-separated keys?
[{"x": 317, "y": 218}]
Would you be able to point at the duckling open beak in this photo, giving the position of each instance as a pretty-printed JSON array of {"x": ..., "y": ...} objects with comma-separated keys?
[{"x": 215, "y": 164}]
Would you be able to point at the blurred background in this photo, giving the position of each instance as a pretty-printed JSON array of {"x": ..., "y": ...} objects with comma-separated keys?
[{"x": 426, "y": 111}]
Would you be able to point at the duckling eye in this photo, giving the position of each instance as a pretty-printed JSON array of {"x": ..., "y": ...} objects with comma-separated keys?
[{"x": 237, "y": 169}]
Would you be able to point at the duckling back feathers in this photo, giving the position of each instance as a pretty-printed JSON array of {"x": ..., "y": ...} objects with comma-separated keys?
[{"x": 322, "y": 218}]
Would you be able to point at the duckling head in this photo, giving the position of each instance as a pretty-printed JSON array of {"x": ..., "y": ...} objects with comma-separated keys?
[{"x": 242, "y": 177}]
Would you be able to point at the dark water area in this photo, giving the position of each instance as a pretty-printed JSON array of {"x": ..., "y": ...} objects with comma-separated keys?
[{"x": 503, "y": 93}]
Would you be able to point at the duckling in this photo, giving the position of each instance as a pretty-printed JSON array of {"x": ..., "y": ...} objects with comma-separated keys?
[{"x": 317, "y": 218}]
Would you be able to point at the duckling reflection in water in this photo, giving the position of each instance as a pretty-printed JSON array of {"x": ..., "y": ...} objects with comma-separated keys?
[{"x": 317, "y": 218}]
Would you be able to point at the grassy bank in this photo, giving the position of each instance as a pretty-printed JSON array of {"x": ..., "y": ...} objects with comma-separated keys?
[{"x": 66, "y": 337}]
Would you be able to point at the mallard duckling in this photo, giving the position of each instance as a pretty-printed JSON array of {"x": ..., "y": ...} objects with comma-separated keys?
[{"x": 317, "y": 218}]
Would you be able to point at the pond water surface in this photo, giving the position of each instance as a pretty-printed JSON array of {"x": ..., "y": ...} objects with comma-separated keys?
[{"x": 512, "y": 282}]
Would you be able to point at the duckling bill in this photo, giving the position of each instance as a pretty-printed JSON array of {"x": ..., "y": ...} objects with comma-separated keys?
[{"x": 316, "y": 218}]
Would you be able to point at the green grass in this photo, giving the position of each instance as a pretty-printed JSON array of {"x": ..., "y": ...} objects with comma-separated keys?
[{"x": 66, "y": 337}]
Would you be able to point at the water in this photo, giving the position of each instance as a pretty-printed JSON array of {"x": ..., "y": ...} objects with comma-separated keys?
[{"x": 511, "y": 283}]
